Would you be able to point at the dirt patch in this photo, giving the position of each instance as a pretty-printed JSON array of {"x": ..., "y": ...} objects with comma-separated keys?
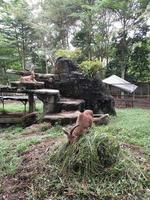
[
  {"x": 15, "y": 187},
  {"x": 138, "y": 153},
  {"x": 36, "y": 129},
  {"x": 136, "y": 149}
]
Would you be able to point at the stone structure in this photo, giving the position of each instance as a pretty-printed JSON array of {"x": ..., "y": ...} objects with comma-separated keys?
[
  {"x": 73, "y": 84},
  {"x": 64, "y": 92}
]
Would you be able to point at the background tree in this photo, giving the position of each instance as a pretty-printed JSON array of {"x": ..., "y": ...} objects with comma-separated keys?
[
  {"x": 129, "y": 13},
  {"x": 111, "y": 32},
  {"x": 15, "y": 27}
]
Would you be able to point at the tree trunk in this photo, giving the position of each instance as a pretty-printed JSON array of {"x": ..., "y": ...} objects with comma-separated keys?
[
  {"x": 6, "y": 81},
  {"x": 46, "y": 64}
]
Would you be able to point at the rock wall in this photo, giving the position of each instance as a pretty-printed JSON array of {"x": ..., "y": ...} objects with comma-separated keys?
[{"x": 73, "y": 84}]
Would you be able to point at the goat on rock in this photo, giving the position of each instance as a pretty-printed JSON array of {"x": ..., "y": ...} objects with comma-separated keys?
[{"x": 29, "y": 78}]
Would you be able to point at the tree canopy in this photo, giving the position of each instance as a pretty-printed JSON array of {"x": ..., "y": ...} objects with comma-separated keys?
[{"x": 113, "y": 33}]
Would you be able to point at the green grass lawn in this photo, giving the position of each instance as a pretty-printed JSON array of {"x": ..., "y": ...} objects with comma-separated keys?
[
  {"x": 19, "y": 107},
  {"x": 130, "y": 126}
]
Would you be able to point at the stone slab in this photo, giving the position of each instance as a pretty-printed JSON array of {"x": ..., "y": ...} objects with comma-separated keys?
[
  {"x": 71, "y": 104},
  {"x": 69, "y": 101},
  {"x": 62, "y": 118},
  {"x": 46, "y": 91},
  {"x": 27, "y": 85}
]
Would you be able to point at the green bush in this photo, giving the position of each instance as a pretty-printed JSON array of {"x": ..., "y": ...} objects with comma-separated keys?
[
  {"x": 90, "y": 67},
  {"x": 73, "y": 55}
]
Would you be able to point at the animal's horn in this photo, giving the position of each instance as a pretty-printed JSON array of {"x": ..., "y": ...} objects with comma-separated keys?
[
  {"x": 73, "y": 129},
  {"x": 65, "y": 131}
]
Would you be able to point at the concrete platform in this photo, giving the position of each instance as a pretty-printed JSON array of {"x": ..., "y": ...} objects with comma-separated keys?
[{"x": 27, "y": 85}]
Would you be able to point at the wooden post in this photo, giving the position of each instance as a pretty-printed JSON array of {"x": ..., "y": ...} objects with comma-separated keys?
[
  {"x": 133, "y": 99},
  {"x": 148, "y": 84},
  {"x": 31, "y": 103}
]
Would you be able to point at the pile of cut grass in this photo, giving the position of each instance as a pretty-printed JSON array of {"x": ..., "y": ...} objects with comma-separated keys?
[
  {"x": 77, "y": 172},
  {"x": 89, "y": 155}
]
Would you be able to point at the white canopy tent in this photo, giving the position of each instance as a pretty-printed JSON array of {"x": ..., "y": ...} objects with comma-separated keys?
[{"x": 118, "y": 82}]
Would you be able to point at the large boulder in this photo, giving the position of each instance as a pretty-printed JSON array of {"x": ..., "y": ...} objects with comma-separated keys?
[
  {"x": 73, "y": 84},
  {"x": 64, "y": 65}
]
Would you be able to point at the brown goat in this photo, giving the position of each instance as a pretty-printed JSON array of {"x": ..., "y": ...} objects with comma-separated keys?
[
  {"x": 83, "y": 123},
  {"x": 28, "y": 79}
]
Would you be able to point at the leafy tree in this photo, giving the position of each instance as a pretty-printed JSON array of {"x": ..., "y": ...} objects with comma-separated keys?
[
  {"x": 15, "y": 27},
  {"x": 140, "y": 62},
  {"x": 112, "y": 32},
  {"x": 59, "y": 13},
  {"x": 84, "y": 37},
  {"x": 129, "y": 13}
]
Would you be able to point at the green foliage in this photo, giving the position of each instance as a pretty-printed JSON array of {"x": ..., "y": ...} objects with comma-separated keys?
[
  {"x": 137, "y": 61},
  {"x": 84, "y": 38},
  {"x": 18, "y": 35},
  {"x": 90, "y": 67},
  {"x": 140, "y": 63},
  {"x": 59, "y": 14},
  {"x": 74, "y": 55},
  {"x": 128, "y": 22},
  {"x": 30, "y": 35}
]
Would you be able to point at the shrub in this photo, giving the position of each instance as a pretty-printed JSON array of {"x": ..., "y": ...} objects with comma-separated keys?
[
  {"x": 74, "y": 55},
  {"x": 91, "y": 67}
]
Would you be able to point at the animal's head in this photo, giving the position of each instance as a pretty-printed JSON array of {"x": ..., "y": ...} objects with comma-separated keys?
[
  {"x": 88, "y": 112},
  {"x": 71, "y": 137}
]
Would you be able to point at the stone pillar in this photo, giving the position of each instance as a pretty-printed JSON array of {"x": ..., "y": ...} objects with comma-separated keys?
[{"x": 49, "y": 99}]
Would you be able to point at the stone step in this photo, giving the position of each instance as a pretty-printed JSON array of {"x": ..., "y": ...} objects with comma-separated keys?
[
  {"x": 68, "y": 104},
  {"x": 27, "y": 85},
  {"x": 62, "y": 118}
]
